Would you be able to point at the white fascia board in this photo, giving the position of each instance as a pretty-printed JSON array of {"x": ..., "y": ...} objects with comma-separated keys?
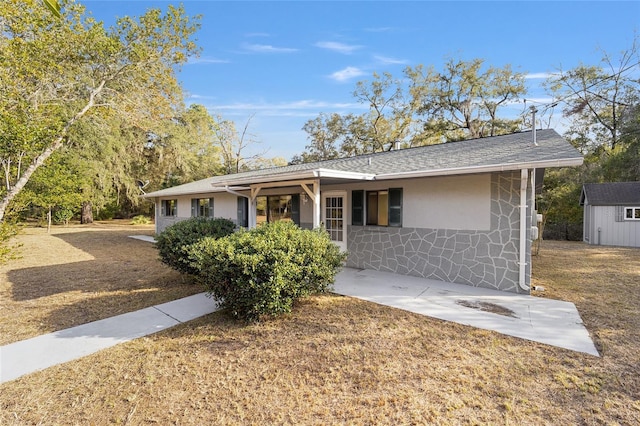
[
  {"x": 169, "y": 193},
  {"x": 567, "y": 162},
  {"x": 339, "y": 174}
]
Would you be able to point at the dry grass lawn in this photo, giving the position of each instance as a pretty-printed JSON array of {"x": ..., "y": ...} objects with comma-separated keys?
[{"x": 335, "y": 360}]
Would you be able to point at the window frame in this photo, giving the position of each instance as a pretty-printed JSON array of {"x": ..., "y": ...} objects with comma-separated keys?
[
  {"x": 173, "y": 207},
  {"x": 635, "y": 213},
  {"x": 196, "y": 207},
  {"x": 361, "y": 204}
]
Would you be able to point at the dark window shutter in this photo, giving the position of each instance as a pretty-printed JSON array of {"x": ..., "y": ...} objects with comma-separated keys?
[
  {"x": 243, "y": 210},
  {"x": 357, "y": 207},
  {"x": 395, "y": 207},
  {"x": 295, "y": 209},
  {"x": 619, "y": 213}
]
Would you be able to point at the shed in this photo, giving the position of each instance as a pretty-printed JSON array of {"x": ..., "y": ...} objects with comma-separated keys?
[{"x": 611, "y": 213}]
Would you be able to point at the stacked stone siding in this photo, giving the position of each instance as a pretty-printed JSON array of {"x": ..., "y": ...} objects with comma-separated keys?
[{"x": 482, "y": 258}]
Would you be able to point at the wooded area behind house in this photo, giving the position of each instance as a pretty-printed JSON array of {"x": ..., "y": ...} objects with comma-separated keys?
[{"x": 91, "y": 116}]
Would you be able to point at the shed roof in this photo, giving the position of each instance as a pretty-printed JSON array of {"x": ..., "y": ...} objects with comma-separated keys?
[
  {"x": 499, "y": 153},
  {"x": 611, "y": 194}
]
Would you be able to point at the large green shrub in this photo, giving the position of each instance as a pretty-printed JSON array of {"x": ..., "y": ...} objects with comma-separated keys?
[
  {"x": 261, "y": 272},
  {"x": 173, "y": 242}
]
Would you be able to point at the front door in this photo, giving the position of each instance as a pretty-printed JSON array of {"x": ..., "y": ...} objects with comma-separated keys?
[{"x": 334, "y": 217}]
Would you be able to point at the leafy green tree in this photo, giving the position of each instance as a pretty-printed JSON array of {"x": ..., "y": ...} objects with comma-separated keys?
[
  {"x": 424, "y": 108},
  {"x": 53, "y": 186},
  {"x": 55, "y": 72},
  {"x": 463, "y": 101}
]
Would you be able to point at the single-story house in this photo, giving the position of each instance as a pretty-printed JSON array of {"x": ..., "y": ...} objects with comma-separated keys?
[
  {"x": 460, "y": 212},
  {"x": 611, "y": 213}
]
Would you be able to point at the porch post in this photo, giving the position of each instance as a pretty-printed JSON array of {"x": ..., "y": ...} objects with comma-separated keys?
[{"x": 317, "y": 205}]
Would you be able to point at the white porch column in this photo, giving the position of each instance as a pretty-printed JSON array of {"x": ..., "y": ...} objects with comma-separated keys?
[{"x": 317, "y": 205}]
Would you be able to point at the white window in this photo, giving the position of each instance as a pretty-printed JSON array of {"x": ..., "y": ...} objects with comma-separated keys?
[{"x": 632, "y": 213}]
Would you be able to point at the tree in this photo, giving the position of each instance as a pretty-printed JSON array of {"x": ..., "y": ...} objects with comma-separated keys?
[
  {"x": 425, "y": 107},
  {"x": 233, "y": 147},
  {"x": 55, "y": 73},
  {"x": 53, "y": 186},
  {"x": 462, "y": 102},
  {"x": 597, "y": 98}
]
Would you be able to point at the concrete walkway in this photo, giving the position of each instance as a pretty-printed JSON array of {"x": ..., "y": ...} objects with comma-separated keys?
[
  {"x": 38, "y": 353},
  {"x": 542, "y": 320}
]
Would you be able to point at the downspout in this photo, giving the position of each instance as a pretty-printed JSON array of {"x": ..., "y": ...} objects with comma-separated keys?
[
  {"x": 251, "y": 206},
  {"x": 523, "y": 230}
]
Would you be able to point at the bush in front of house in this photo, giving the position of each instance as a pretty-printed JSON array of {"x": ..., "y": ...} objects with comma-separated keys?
[
  {"x": 140, "y": 220},
  {"x": 261, "y": 272},
  {"x": 173, "y": 242}
]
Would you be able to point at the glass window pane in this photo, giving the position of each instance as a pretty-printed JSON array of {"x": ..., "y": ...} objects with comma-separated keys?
[
  {"x": 637, "y": 215},
  {"x": 629, "y": 213}
]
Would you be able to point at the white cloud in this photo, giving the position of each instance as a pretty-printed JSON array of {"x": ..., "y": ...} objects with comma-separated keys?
[
  {"x": 267, "y": 48},
  {"x": 390, "y": 61},
  {"x": 208, "y": 60},
  {"x": 539, "y": 75},
  {"x": 346, "y": 49},
  {"x": 347, "y": 74}
]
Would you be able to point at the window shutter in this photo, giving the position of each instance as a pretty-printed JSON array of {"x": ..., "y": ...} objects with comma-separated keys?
[
  {"x": 163, "y": 208},
  {"x": 243, "y": 209},
  {"x": 619, "y": 213},
  {"x": 194, "y": 207},
  {"x": 210, "y": 207},
  {"x": 357, "y": 207},
  {"x": 295, "y": 209},
  {"x": 395, "y": 207}
]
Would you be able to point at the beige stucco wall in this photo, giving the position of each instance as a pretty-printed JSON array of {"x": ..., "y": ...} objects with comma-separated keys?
[{"x": 449, "y": 202}]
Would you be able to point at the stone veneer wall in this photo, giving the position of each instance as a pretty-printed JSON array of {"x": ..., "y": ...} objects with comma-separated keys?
[{"x": 478, "y": 258}]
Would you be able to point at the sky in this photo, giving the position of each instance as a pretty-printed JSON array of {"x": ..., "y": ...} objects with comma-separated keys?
[{"x": 277, "y": 64}]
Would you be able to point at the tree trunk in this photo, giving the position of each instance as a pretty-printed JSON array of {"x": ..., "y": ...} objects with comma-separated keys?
[
  {"x": 87, "y": 213},
  {"x": 49, "y": 221},
  {"x": 40, "y": 159}
]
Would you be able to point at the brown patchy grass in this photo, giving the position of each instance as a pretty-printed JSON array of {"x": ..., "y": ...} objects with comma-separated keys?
[
  {"x": 337, "y": 360},
  {"x": 79, "y": 274}
]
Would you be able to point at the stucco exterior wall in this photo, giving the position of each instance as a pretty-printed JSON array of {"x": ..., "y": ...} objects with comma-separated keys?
[
  {"x": 484, "y": 256},
  {"x": 225, "y": 205}
]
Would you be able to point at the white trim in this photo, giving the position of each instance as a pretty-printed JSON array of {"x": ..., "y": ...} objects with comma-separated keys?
[
  {"x": 343, "y": 195},
  {"x": 339, "y": 174},
  {"x": 633, "y": 217},
  {"x": 524, "y": 174}
]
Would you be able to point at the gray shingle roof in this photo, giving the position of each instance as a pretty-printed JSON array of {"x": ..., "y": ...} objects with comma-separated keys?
[
  {"x": 611, "y": 194},
  {"x": 507, "y": 152}
]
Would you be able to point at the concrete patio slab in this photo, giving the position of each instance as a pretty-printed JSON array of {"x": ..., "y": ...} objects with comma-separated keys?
[
  {"x": 548, "y": 321},
  {"x": 147, "y": 238}
]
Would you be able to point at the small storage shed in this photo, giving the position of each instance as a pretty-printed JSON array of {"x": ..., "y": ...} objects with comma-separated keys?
[{"x": 611, "y": 213}]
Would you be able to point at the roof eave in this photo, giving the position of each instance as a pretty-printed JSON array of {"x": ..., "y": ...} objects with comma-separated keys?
[{"x": 565, "y": 162}]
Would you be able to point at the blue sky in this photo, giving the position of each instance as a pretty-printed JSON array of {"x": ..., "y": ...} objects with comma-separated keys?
[{"x": 285, "y": 62}]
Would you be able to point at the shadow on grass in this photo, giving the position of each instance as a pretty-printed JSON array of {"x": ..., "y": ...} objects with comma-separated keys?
[{"x": 119, "y": 264}]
